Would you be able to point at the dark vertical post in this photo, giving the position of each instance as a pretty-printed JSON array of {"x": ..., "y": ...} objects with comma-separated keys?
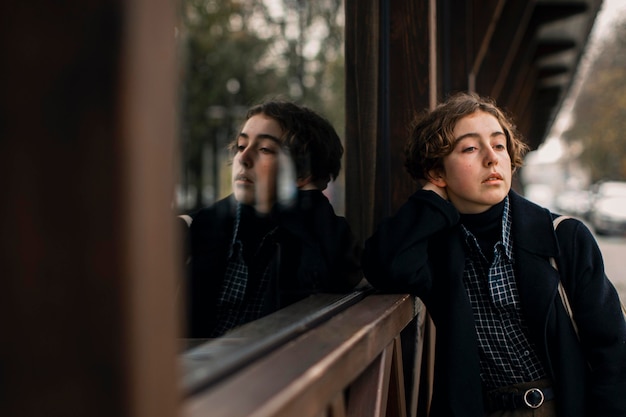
[
  {"x": 388, "y": 59},
  {"x": 87, "y": 244},
  {"x": 362, "y": 34}
]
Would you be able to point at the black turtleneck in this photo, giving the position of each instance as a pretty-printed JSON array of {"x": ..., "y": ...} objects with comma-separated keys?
[
  {"x": 486, "y": 227},
  {"x": 252, "y": 229}
]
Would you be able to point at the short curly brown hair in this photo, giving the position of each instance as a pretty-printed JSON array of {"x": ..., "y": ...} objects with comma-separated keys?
[
  {"x": 310, "y": 138},
  {"x": 431, "y": 135}
]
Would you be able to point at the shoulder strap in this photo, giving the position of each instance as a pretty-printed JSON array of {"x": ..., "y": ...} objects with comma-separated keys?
[
  {"x": 186, "y": 218},
  {"x": 562, "y": 292},
  {"x": 556, "y": 223}
]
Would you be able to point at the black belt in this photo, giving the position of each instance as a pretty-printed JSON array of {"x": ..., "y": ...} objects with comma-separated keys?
[{"x": 531, "y": 398}]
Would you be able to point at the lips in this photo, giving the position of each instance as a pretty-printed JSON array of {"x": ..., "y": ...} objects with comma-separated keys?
[
  {"x": 243, "y": 178},
  {"x": 493, "y": 177}
]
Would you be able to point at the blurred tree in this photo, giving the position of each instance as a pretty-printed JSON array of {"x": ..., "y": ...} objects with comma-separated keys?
[
  {"x": 599, "y": 117},
  {"x": 235, "y": 53}
]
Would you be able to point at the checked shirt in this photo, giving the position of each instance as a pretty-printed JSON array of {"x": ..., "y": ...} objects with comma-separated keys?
[
  {"x": 506, "y": 354},
  {"x": 241, "y": 296}
]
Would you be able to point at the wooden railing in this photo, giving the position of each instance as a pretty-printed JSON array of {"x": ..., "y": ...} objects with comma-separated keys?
[{"x": 327, "y": 356}]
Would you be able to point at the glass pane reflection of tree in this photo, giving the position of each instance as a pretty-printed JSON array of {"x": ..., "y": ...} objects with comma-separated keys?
[{"x": 235, "y": 54}]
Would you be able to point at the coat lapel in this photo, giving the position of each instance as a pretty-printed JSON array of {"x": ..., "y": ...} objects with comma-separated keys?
[{"x": 534, "y": 243}]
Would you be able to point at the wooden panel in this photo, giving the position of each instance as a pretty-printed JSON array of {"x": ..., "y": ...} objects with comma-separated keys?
[
  {"x": 387, "y": 79},
  {"x": 456, "y": 49},
  {"x": 362, "y": 112},
  {"x": 483, "y": 19},
  {"x": 409, "y": 92},
  {"x": 87, "y": 243},
  {"x": 368, "y": 394},
  {"x": 338, "y": 406},
  {"x": 397, "y": 396},
  {"x": 304, "y": 376},
  {"x": 508, "y": 37},
  {"x": 518, "y": 99}
]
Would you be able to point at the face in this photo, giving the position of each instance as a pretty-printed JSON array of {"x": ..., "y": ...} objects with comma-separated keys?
[
  {"x": 255, "y": 164},
  {"x": 478, "y": 171}
]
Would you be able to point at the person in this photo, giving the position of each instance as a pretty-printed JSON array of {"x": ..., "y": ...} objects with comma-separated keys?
[
  {"x": 276, "y": 239},
  {"x": 478, "y": 255}
]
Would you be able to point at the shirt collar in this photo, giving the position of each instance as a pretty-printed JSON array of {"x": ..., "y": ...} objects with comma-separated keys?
[
  {"x": 506, "y": 243},
  {"x": 235, "y": 243},
  {"x": 506, "y": 240}
]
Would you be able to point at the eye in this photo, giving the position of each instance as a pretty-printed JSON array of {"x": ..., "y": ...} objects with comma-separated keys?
[
  {"x": 240, "y": 148},
  {"x": 500, "y": 147},
  {"x": 469, "y": 149},
  {"x": 267, "y": 147}
]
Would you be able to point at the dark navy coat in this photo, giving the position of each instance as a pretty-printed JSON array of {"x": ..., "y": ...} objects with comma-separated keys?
[
  {"x": 315, "y": 252},
  {"x": 420, "y": 251}
]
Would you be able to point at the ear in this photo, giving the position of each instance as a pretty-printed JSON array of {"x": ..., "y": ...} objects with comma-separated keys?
[
  {"x": 436, "y": 177},
  {"x": 305, "y": 183}
]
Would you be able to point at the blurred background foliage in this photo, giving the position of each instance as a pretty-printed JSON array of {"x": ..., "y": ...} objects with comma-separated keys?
[
  {"x": 234, "y": 54},
  {"x": 598, "y": 125}
]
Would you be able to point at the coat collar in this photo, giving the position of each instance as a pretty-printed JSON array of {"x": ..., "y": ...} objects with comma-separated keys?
[
  {"x": 537, "y": 280},
  {"x": 532, "y": 227}
]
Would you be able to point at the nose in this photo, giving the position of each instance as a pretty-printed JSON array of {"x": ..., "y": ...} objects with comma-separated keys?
[
  {"x": 245, "y": 159},
  {"x": 491, "y": 158}
]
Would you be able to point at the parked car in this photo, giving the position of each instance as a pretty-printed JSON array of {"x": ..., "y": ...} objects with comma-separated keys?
[
  {"x": 608, "y": 211},
  {"x": 574, "y": 202},
  {"x": 609, "y": 216},
  {"x": 610, "y": 189}
]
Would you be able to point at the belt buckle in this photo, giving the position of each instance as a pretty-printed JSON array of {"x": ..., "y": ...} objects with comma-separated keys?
[{"x": 529, "y": 401}]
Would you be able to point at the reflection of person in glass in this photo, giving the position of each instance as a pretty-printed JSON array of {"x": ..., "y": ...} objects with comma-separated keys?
[
  {"x": 276, "y": 239},
  {"x": 478, "y": 255}
]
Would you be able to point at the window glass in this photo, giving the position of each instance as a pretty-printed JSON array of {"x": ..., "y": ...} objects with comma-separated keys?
[{"x": 233, "y": 55}]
